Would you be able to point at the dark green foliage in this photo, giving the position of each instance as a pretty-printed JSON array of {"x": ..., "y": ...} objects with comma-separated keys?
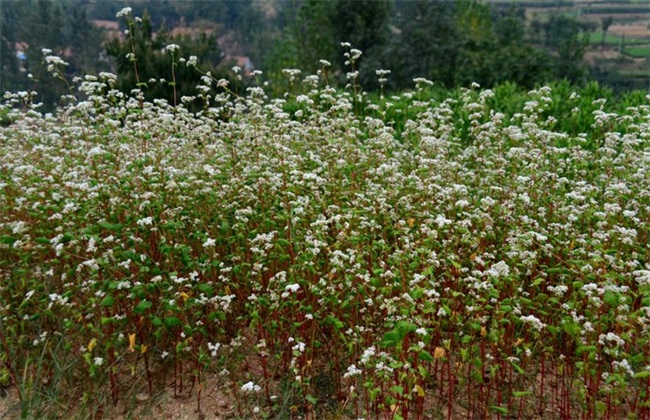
[
  {"x": 9, "y": 65},
  {"x": 152, "y": 68},
  {"x": 457, "y": 43},
  {"x": 452, "y": 43},
  {"x": 426, "y": 44},
  {"x": 315, "y": 30},
  {"x": 566, "y": 39},
  {"x": 364, "y": 24},
  {"x": 58, "y": 25}
]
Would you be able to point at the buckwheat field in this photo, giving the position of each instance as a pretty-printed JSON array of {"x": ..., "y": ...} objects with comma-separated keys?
[{"x": 327, "y": 254}]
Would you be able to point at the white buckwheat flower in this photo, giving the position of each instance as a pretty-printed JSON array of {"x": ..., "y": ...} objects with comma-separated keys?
[
  {"x": 499, "y": 269},
  {"x": 172, "y": 48},
  {"x": 124, "y": 12},
  {"x": 250, "y": 387},
  {"x": 352, "y": 371}
]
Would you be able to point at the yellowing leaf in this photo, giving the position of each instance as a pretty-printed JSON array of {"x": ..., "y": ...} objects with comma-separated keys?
[
  {"x": 439, "y": 353},
  {"x": 132, "y": 342},
  {"x": 483, "y": 331},
  {"x": 92, "y": 344},
  {"x": 184, "y": 296},
  {"x": 410, "y": 222},
  {"x": 519, "y": 341},
  {"x": 419, "y": 390},
  {"x": 143, "y": 349},
  {"x": 472, "y": 257}
]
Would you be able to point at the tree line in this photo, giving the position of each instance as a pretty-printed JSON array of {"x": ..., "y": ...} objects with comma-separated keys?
[{"x": 451, "y": 43}]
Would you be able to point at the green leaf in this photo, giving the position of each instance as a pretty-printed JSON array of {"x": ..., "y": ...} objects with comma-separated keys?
[
  {"x": 172, "y": 321},
  {"x": 405, "y": 327},
  {"x": 311, "y": 399},
  {"x": 586, "y": 349},
  {"x": 205, "y": 288},
  {"x": 332, "y": 320},
  {"x": 417, "y": 294},
  {"x": 131, "y": 255},
  {"x": 142, "y": 307},
  {"x": 390, "y": 339},
  {"x": 7, "y": 240},
  {"x": 642, "y": 375},
  {"x": 111, "y": 226},
  {"x": 425, "y": 356},
  {"x": 611, "y": 298},
  {"x": 571, "y": 328},
  {"x": 517, "y": 368},
  {"x": 108, "y": 301},
  {"x": 520, "y": 394},
  {"x": 499, "y": 409},
  {"x": 399, "y": 390}
]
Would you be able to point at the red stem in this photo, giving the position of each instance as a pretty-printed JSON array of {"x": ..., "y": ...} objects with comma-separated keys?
[{"x": 541, "y": 388}]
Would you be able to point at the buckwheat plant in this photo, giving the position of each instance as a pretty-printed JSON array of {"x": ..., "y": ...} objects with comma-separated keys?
[{"x": 456, "y": 256}]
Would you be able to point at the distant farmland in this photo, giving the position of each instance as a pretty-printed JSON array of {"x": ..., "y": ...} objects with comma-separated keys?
[{"x": 623, "y": 49}]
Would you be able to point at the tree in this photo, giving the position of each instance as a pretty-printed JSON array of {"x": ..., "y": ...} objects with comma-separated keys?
[
  {"x": 515, "y": 60},
  {"x": 476, "y": 43},
  {"x": 10, "y": 75},
  {"x": 567, "y": 40},
  {"x": 424, "y": 42},
  {"x": 364, "y": 24},
  {"x": 605, "y": 23},
  {"x": 151, "y": 66},
  {"x": 56, "y": 25}
]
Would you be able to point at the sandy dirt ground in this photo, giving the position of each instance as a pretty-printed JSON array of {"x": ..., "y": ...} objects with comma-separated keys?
[{"x": 215, "y": 405}]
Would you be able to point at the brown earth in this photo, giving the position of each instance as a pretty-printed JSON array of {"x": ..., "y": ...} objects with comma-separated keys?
[{"x": 215, "y": 405}]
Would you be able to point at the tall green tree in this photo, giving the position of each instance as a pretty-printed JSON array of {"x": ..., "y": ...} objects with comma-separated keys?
[
  {"x": 364, "y": 24},
  {"x": 605, "y": 23},
  {"x": 567, "y": 39},
  {"x": 315, "y": 30},
  {"x": 464, "y": 41},
  {"x": 10, "y": 75},
  {"x": 142, "y": 60},
  {"x": 424, "y": 42},
  {"x": 56, "y": 25},
  {"x": 477, "y": 43}
]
